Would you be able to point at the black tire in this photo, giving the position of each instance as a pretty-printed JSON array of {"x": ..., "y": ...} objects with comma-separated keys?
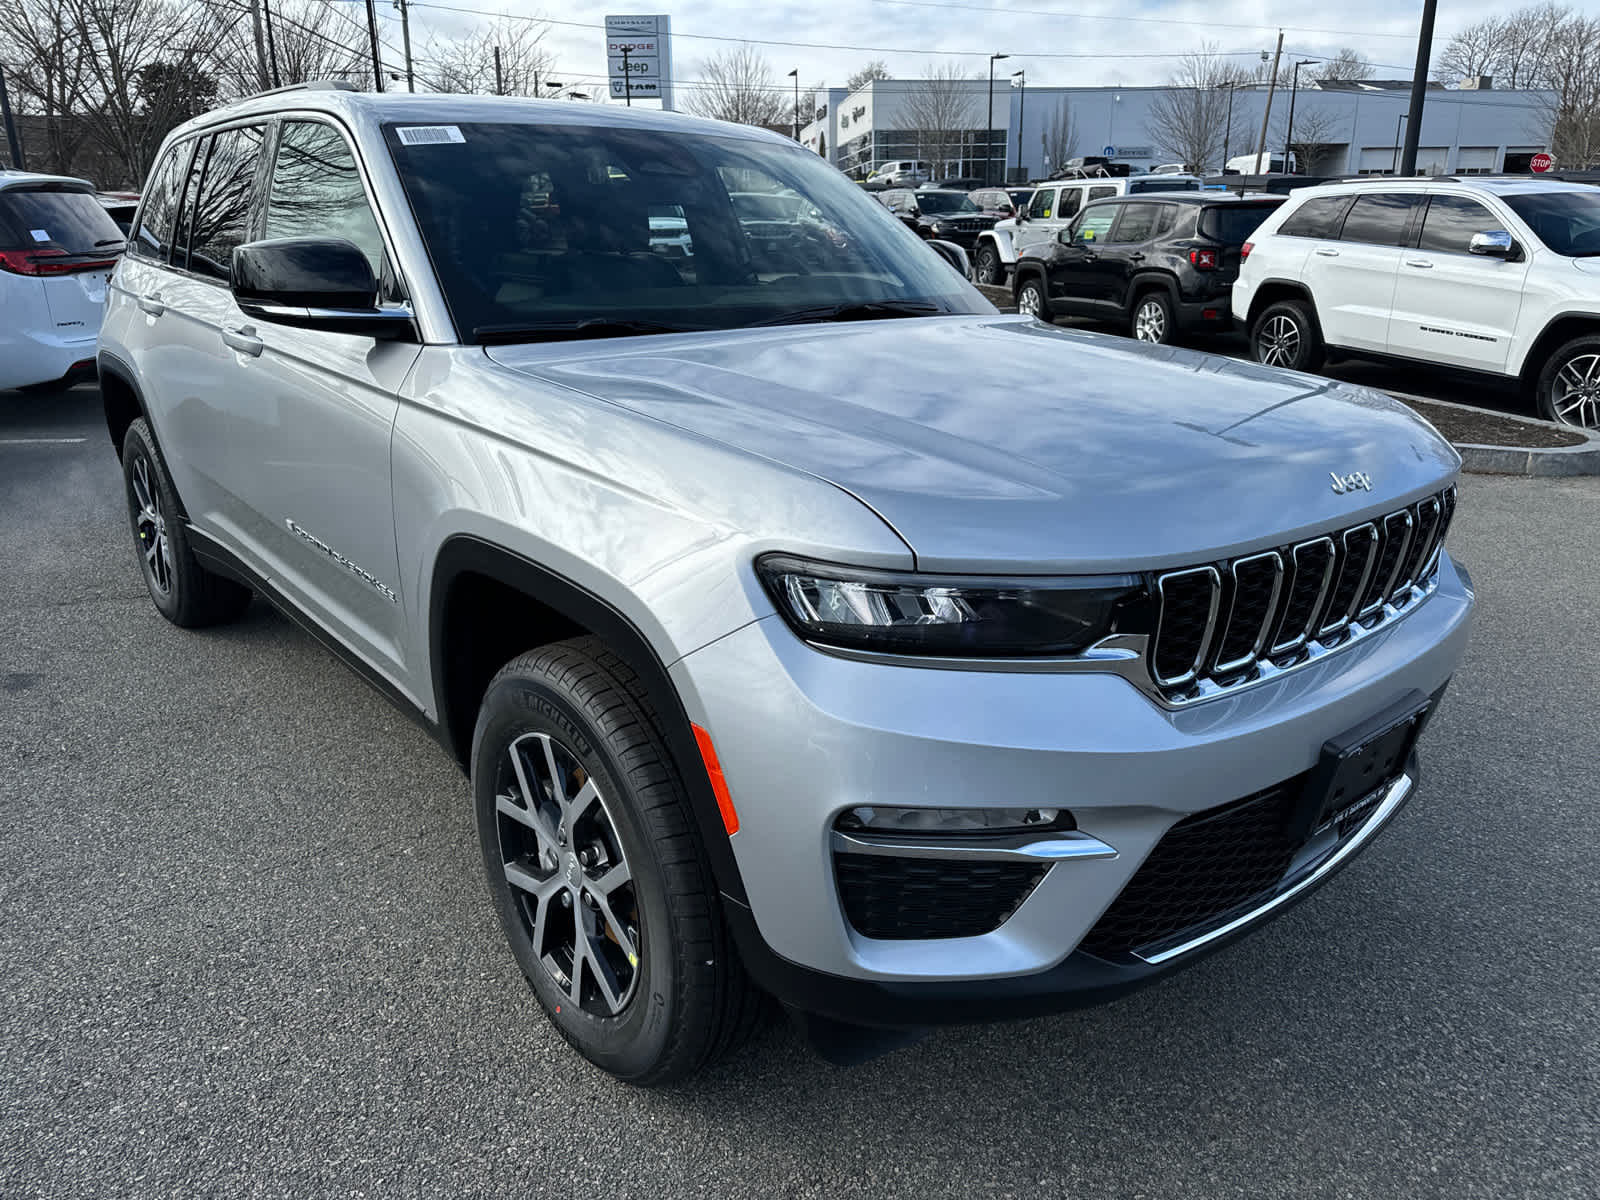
[
  {"x": 183, "y": 591},
  {"x": 1568, "y": 390},
  {"x": 679, "y": 998},
  {"x": 1031, "y": 299},
  {"x": 1287, "y": 334},
  {"x": 1153, "y": 319},
  {"x": 987, "y": 266}
]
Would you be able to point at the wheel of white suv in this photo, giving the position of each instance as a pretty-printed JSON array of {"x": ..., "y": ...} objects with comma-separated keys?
[
  {"x": 987, "y": 266},
  {"x": 596, "y": 871},
  {"x": 1030, "y": 300},
  {"x": 1153, "y": 319},
  {"x": 1569, "y": 385},
  {"x": 1286, "y": 335},
  {"x": 184, "y": 592}
]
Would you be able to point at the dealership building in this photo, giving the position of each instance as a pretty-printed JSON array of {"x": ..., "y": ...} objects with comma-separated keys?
[{"x": 1358, "y": 126}]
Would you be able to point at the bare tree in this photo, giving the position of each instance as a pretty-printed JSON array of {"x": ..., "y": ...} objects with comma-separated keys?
[
  {"x": 1060, "y": 137},
  {"x": 310, "y": 40},
  {"x": 467, "y": 64},
  {"x": 1189, "y": 119},
  {"x": 1475, "y": 50},
  {"x": 876, "y": 69},
  {"x": 738, "y": 85},
  {"x": 1316, "y": 132},
  {"x": 1572, "y": 73},
  {"x": 46, "y": 70},
  {"x": 941, "y": 111},
  {"x": 1347, "y": 64}
]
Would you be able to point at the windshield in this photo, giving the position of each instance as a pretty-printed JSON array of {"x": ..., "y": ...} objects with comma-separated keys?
[
  {"x": 1567, "y": 222},
  {"x": 532, "y": 227},
  {"x": 945, "y": 202}
]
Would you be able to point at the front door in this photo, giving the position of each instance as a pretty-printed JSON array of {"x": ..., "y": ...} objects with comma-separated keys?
[
  {"x": 1044, "y": 220},
  {"x": 1077, "y": 280},
  {"x": 1452, "y": 306},
  {"x": 1127, "y": 250}
]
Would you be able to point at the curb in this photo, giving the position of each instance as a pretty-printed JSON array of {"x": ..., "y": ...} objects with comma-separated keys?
[{"x": 1545, "y": 462}]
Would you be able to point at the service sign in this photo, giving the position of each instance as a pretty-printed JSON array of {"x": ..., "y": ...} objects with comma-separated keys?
[{"x": 639, "y": 58}]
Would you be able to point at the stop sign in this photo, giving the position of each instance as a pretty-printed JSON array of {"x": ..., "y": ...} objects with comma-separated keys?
[{"x": 1541, "y": 163}]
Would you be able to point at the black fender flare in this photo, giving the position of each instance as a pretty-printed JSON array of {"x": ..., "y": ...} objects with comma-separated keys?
[
  {"x": 1146, "y": 281},
  {"x": 467, "y": 554}
]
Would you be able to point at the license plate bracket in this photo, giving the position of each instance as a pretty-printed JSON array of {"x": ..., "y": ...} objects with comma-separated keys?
[{"x": 1355, "y": 766}]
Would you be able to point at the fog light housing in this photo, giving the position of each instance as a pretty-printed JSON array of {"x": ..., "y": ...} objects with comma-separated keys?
[{"x": 952, "y": 822}]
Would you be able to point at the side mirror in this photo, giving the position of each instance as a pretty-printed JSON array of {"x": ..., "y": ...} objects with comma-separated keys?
[
  {"x": 314, "y": 283},
  {"x": 954, "y": 255},
  {"x": 1494, "y": 243}
]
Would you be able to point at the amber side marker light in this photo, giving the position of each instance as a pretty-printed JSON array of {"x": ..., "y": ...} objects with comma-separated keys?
[{"x": 719, "y": 785}]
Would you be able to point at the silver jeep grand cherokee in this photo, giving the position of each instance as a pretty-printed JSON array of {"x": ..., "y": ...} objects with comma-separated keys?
[{"x": 911, "y": 703}]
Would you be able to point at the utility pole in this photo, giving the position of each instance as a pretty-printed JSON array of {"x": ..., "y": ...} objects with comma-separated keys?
[
  {"x": 795, "y": 75},
  {"x": 405, "y": 40},
  {"x": 1419, "y": 89},
  {"x": 263, "y": 73},
  {"x": 1272, "y": 86},
  {"x": 372, "y": 33},
  {"x": 272, "y": 47},
  {"x": 499, "y": 79},
  {"x": 627, "y": 79},
  {"x": 11, "y": 125}
]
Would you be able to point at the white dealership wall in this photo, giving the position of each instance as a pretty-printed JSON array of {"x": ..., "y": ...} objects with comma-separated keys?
[{"x": 1461, "y": 129}]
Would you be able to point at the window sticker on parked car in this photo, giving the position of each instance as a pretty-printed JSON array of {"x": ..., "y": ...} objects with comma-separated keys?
[
  {"x": 428, "y": 135},
  {"x": 40, "y": 235}
]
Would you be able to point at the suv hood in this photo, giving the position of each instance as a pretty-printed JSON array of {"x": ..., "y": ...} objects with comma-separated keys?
[{"x": 998, "y": 443}]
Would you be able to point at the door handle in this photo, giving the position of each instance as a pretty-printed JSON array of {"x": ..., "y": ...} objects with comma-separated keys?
[
  {"x": 1326, "y": 252},
  {"x": 1419, "y": 262},
  {"x": 151, "y": 304},
  {"x": 1135, "y": 258},
  {"x": 243, "y": 340}
]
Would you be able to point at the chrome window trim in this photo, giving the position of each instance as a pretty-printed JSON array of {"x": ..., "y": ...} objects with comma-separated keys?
[
  {"x": 1262, "y": 634},
  {"x": 1206, "y": 638}
]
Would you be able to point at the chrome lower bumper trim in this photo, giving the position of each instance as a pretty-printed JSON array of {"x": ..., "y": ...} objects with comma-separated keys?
[
  {"x": 1032, "y": 848},
  {"x": 1392, "y": 800}
]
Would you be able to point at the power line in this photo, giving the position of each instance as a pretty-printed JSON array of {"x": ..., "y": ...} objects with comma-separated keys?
[{"x": 1083, "y": 16}]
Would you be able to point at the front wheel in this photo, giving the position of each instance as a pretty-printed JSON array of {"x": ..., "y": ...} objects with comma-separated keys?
[
  {"x": 1569, "y": 385},
  {"x": 1286, "y": 335},
  {"x": 1153, "y": 319},
  {"x": 594, "y": 866},
  {"x": 1031, "y": 302},
  {"x": 988, "y": 267}
]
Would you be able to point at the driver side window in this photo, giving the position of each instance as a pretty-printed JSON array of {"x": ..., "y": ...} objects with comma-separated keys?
[
  {"x": 1096, "y": 221},
  {"x": 1042, "y": 204}
]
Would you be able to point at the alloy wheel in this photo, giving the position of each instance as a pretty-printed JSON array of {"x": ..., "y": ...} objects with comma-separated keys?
[
  {"x": 150, "y": 523},
  {"x": 568, "y": 875},
  {"x": 1279, "y": 342},
  {"x": 1576, "y": 392},
  {"x": 1029, "y": 303},
  {"x": 1150, "y": 323}
]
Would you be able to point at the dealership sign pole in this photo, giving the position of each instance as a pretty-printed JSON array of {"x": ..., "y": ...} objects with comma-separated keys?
[{"x": 639, "y": 58}]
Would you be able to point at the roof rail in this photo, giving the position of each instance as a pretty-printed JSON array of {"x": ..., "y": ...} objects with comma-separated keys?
[{"x": 311, "y": 85}]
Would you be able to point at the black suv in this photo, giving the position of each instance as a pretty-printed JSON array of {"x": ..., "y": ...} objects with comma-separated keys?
[
  {"x": 950, "y": 216},
  {"x": 1162, "y": 263}
]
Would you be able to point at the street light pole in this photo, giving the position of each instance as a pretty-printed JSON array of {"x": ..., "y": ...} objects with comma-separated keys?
[
  {"x": 1022, "y": 108},
  {"x": 1394, "y": 161},
  {"x": 1294, "y": 90},
  {"x": 795, "y": 75},
  {"x": 988, "y": 145},
  {"x": 1227, "y": 129}
]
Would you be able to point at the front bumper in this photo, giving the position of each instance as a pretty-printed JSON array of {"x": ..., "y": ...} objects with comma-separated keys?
[{"x": 803, "y": 735}]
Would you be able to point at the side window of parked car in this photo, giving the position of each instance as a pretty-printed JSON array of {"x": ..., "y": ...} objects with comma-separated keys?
[
  {"x": 1071, "y": 202},
  {"x": 316, "y": 191},
  {"x": 1042, "y": 205},
  {"x": 1450, "y": 222},
  {"x": 1380, "y": 218},
  {"x": 1102, "y": 192},
  {"x": 1319, "y": 218},
  {"x": 153, "y": 237},
  {"x": 1096, "y": 221},
  {"x": 1138, "y": 223},
  {"x": 219, "y": 220}
]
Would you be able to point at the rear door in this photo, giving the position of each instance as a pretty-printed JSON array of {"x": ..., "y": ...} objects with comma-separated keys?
[
  {"x": 1127, "y": 249},
  {"x": 1352, "y": 280},
  {"x": 1452, "y": 306}
]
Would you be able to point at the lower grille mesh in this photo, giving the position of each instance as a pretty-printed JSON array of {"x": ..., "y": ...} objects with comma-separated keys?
[{"x": 888, "y": 897}]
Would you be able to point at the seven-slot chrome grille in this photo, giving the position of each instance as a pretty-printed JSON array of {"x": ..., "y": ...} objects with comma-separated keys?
[{"x": 1228, "y": 623}]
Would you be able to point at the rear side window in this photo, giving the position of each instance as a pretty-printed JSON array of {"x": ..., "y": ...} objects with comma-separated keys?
[
  {"x": 316, "y": 191},
  {"x": 1232, "y": 224},
  {"x": 1319, "y": 218},
  {"x": 56, "y": 223},
  {"x": 153, "y": 237},
  {"x": 1100, "y": 193},
  {"x": 1380, "y": 218},
  {"x": 220, "y": 218},
  {"x": 1451, "y": 221},
  {"x": 1138, "y": 223}
]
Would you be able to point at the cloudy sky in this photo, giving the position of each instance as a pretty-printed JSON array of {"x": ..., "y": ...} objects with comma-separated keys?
[{"x": 1075, "y": 42}]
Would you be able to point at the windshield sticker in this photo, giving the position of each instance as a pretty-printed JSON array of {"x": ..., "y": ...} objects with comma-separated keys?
[
  {"x": 428, "y": 135},
  {"x": 40, "y": 235}
]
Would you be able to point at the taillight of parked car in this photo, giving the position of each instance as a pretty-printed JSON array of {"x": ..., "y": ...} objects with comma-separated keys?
[
  {"x": 49, "y": 262},
  {"x": 1203, "y": 260},
  {"x": 1244, "y": 250}
]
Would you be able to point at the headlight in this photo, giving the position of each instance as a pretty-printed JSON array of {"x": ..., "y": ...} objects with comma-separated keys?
[
  {"x": 940, "y": 227},
  {"x": 952, "y": 615}
]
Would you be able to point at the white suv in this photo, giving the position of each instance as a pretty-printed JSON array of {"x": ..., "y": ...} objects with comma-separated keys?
[
  {"x": 1500, "y": 276},
  {"x": 58, "y": 245}
]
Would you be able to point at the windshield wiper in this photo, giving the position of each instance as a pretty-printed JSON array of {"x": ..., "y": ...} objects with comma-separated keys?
[
  {"x": 110, "y": 242},
  {"x": 873, "y": 310},
  {"x": 570, "y": 331}
]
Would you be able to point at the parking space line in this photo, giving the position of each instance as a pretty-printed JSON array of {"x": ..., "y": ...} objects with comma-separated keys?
[{"x": 46, "y": 441}]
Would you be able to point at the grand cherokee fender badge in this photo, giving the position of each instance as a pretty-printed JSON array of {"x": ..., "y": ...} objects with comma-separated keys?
[
  {"x": 1355, "y": 481},
  {"x": 366, "y": 577}
]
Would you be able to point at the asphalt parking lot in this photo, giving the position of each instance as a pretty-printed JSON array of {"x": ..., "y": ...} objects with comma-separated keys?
[{"x": 248, "y": 950}]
